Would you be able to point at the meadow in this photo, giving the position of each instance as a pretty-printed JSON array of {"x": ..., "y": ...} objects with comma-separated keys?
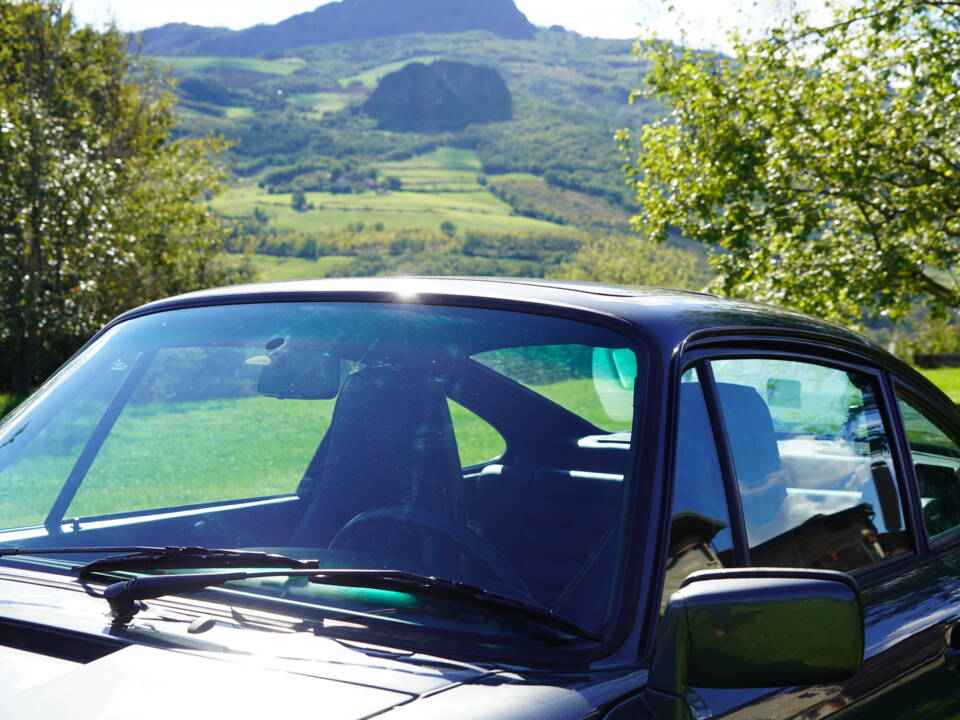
[
  {"x": 370, "y": 78},
  {"x": 947, "y": 379},
  {"x": 226, "y": 449},
  {"x": 438, "y": 187},
  {"x": 200, "y": 63}
]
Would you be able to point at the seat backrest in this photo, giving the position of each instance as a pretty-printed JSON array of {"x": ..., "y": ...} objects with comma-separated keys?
[
  {"x": 390, "y": 443},
  {"x": 753, "y": 443}
]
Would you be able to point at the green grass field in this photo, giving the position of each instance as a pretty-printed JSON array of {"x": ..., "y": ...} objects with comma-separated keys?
[
  {"x": 372, "y": 76},
  {"x": 168, "y": 454},
  {"x": 198, "y": 63},
  {"x": 321, "y": 102},
  {"x": 947, "y": 379},
  {"x": 238, "y": 112},
  {"x": 272, "y": 269},
  {"x": 440, "y": 186}
]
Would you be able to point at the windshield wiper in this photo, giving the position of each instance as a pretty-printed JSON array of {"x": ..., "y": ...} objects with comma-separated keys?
[
  {"x": 144, "y": 557},
  {"x": 124, "y": 597}
]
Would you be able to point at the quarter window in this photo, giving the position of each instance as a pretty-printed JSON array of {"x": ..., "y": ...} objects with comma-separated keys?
[
  {"x": 813, "y": 464},
  {"x": 936, "y": 460}
]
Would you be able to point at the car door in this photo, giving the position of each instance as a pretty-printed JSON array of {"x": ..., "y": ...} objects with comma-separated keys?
[{"x": 797, "y": 461}]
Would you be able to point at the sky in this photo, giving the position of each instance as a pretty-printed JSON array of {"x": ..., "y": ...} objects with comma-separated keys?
[{"x": 696, "y": 23}]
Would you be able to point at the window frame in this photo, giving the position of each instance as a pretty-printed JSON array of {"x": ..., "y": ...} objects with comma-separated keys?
[
  {"x": 889, "y": 414},
  {"x": 922, "y": 401}
]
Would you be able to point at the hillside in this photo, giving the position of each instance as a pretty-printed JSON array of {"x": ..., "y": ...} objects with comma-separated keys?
[
  {"x": 341, "y": 21},
  {"x": 318, "y": 154}
]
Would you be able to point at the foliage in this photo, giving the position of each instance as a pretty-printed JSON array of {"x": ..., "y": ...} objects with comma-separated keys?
[
  {"x": 534, "y": 197},
  {"x": 627, "y": 260},
  {"x": 824, "y": 160},
  {"x": 298, "y": 200},
  {"x": 98, "y": 211},
  {"x": 932, "y": 336}
]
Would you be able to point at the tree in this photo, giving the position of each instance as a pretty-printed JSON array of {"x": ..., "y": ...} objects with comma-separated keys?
[
  {"x": 298, "y": 200},
  {"x": 98, "y": 207},
  {"x": 632, "y": 261},
  {"x": 825, "y": 161}
]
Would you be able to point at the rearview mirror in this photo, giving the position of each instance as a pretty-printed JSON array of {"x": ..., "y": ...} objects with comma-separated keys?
[
  {"x": 757, "y": 627},
  {"x": 300, "y": 375}
]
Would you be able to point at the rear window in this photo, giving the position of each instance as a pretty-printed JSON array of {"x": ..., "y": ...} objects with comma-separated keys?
[{"x": 595, "y": 383}]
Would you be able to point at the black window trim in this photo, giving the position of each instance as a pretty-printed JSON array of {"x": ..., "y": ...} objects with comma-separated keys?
[{"x": 906, "y": 483}]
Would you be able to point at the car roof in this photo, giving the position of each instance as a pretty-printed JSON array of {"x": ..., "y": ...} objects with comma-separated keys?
[{"x": 668, "y": 315}]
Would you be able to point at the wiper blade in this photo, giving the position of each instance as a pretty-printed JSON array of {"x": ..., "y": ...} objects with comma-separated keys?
[
  {"x": 145, "y": 557},
  {"x": 124, "y": 597},
  {"x": 413, "y": 583}
]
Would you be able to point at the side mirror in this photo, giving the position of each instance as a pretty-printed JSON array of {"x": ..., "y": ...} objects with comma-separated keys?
[{"x": 757, "y": 627}]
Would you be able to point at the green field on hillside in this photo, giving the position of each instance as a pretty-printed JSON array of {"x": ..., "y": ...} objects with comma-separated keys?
[
  {"x": 321, "y": 102},
  {"x": 446, "y": 169},
  {"x": 272, "y": 269},
  {"x": 238, "y": 112},
  {"x": 437, "y": 187},
  {"x": 372, "y": 76},
  {"x": 199, "y": 63}
]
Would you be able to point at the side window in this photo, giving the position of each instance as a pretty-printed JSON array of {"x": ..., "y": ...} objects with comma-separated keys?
[
  {"x": 813, "y": 464},
  {"x": 936, "y": 459},
  {"x": 699, "y": 522},
  {"x": 477, "y": 440}
]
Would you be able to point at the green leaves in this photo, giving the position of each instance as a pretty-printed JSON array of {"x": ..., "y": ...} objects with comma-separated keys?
[
  {"x": 824, "y": 161},
  {"x": 98, "y": 209}
]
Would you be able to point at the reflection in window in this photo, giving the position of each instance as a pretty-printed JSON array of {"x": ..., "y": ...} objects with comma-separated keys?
[
  {"x": 813, "y": 464},
  {"x": 936, "y": 459},
  {"x": 699, "y": 522}
]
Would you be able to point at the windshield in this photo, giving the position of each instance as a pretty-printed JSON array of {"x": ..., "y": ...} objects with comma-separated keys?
[{"x": 481, "y": 446}]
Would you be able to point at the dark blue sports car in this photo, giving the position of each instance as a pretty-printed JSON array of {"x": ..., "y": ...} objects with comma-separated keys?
[{"x": 478, "y": 498}]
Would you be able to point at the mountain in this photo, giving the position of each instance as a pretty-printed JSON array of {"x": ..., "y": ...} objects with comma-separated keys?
[
  {"x": 341, "y": 21},
  {"x": 441, "y": 97}
]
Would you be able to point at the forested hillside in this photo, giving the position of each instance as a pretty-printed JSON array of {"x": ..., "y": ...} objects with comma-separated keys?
[{"x": 309, "y": 159}]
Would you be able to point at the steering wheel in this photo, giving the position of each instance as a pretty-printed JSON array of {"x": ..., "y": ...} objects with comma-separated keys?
[{"x": 386, "y": 528}]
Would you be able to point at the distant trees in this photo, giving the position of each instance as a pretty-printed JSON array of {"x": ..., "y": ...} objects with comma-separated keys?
[
  {"x": 824, "y": 161},
  {"x": 98, "y": 207},
  {"x": 298, "y": 200},
  {"x": 629, "y": 260}
]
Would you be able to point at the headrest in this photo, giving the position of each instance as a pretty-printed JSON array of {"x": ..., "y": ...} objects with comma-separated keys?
[
  {"x": 392, "y": 426},
  {"x": 753, "y": 439},
  {"x": 753, "y": 442}
]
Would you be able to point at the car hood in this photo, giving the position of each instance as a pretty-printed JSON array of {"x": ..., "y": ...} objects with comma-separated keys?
[
  {"x": 152, "y": 683},
  {"x": 183, "y": 658},
  {"x": 58, "y": 651}
]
